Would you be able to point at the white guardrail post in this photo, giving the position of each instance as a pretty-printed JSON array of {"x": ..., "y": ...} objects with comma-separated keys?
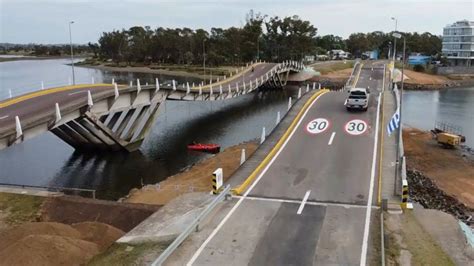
[{"x": 194, "y": 226}]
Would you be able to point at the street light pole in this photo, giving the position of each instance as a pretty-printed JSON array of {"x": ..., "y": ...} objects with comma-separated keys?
[
  {"x": 72, "y": 55},
  {"x": 204, "y": 56},
  {"x": 395, "y": 41},
  {"x": 258, "y": 48}
]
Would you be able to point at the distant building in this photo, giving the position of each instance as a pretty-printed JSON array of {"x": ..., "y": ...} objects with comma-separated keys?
[
  {"x": 372, "y": 55},
  {"x": 458, "y": 43},
  {"x": 339, "y": 54},
  {"x": 419, "y": 59}
]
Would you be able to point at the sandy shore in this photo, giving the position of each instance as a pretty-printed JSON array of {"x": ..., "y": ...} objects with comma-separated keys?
[{"x": 196, "y": 178}]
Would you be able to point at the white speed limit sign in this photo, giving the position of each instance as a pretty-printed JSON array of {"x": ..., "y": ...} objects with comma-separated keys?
[
  {"x": 317, "y": 125},
  {"x": 356, "y": 127}
]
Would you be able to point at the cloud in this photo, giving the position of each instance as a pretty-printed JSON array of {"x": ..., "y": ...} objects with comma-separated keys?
[{"x": 24, "y": 21}]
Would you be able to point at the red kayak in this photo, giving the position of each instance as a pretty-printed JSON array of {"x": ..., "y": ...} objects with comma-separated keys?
[{"x": 211, "y": 148}]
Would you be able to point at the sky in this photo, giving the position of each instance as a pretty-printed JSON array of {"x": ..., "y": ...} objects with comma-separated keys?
[{"x": 46, "y": 21}]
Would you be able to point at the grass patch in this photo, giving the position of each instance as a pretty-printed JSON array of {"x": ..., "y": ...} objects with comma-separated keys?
[
  {"x": 20, "y": 208},
  {"x": 421, "y": 245},
  {"x": 125, "y": 254},
  {"x": 333, "y": 66}
]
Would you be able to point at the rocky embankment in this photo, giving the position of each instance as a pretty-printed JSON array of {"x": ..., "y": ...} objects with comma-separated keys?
[{"x": 425, "y": 191}]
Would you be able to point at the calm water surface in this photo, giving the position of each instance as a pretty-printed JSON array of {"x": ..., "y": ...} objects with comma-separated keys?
[
  {"x": 46, "y": 160},
  {"x": 454, "y": 106}
]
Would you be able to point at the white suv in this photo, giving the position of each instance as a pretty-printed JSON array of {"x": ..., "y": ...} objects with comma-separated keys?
[{"x": 358, "y": 99}]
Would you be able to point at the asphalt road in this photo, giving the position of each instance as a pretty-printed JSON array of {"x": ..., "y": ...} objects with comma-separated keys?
[
  {"x": 310, "y": 206},
  {"x": 44, "y": 105}
]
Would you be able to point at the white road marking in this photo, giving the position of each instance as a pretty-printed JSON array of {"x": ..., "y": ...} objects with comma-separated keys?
[
  {"x": 77, "y": 92},
  {"x": 300, "y": 209},
  {"x": 3, "y": 117},
  {"x": 313, "y": 203},
  {"x": 221, "y": 224},
  {"x": 363, "y": 255},
  {"x": 332, "y": 138}
]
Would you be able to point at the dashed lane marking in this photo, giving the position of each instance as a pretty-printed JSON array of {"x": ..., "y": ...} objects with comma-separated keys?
[
  {"x": 3, "y": 117},
  {"x": 298, "y": 120},
  {"x": 332, "y": 138},
  {"x": 303, "y": 202}
]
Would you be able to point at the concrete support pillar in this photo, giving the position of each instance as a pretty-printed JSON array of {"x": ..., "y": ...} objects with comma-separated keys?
[
  {"x": 174, "y": 85},
  {"x": 19, "y": 131},
  {"x": 90, "y": 103},
  {"x": 289, "y": 103},
  {"x": 299, "y": 93},
  {"x": 131, "y": 83},
  {"x": 157, "y": 85},
  {"x": 57, "y": 112},
  {"x": 42, "y": 85},
  {"x": 278, "y": 118},
  {"x": 307, "y": 87},
  {"x": 116, "y": 91},
  {"x": 314, "y": 85},
  {"x": 139, "y": 87},
  {"x": 113, "y": 80},
  {"x": 242, "y": 157},
  {"x": 319, "y": 86},
  {"x": 262, "y": 137}
]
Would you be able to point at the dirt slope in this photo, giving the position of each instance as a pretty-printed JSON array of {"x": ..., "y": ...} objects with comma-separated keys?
[{"x": 451, "y": 172}]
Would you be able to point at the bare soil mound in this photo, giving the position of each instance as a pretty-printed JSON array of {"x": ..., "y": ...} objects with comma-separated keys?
[
  {"x": 9, "y": 237},
  {"x": 48, "y": 250},
  {"x": 71, "y": 210},
  {"x": 101, "y": 234}
]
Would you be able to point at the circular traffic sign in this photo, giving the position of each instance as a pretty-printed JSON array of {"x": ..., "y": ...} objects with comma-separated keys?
[
  {"x": 356, "y": 127},
  {"x": 318, "y": 125}
]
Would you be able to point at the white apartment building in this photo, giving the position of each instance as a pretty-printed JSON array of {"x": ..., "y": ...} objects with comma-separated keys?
[{"x": 458, "y": 43}]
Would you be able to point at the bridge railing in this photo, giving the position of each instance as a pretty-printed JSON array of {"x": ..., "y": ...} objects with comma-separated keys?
[{"x": 7, "y": 93}]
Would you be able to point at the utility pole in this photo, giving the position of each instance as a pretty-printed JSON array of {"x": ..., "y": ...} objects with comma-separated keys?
[{"x": 72, "y": 55}]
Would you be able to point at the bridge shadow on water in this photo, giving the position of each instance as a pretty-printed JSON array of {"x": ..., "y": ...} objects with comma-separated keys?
[{"x": 164, "y": 151}]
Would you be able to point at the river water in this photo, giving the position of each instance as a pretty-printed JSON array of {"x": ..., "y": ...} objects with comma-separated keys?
[
  {"x": 47, "y": 161},
  {"x": 454, "y": 106}
]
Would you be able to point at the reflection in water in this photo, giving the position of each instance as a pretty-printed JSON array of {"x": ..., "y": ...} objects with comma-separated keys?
[{"x": 422, "y": 109}]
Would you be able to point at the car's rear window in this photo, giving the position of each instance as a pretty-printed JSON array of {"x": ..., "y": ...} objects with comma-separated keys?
[
  {"x": 357, "y": 93},
  {"x": 357, "y": 97}
]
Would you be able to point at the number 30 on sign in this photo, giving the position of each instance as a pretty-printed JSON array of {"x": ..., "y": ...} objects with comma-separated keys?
[
  {"x": 318, "y": 125},
  {"x": 356, "y": 127}
]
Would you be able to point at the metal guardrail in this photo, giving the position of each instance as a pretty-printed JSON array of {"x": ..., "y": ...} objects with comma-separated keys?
[
  {"x": 191, "y": 227},
  {"x": 57, "y": 189}
]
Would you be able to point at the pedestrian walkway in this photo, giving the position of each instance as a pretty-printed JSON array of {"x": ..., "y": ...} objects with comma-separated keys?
[{"x": 389, "y": 160}]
